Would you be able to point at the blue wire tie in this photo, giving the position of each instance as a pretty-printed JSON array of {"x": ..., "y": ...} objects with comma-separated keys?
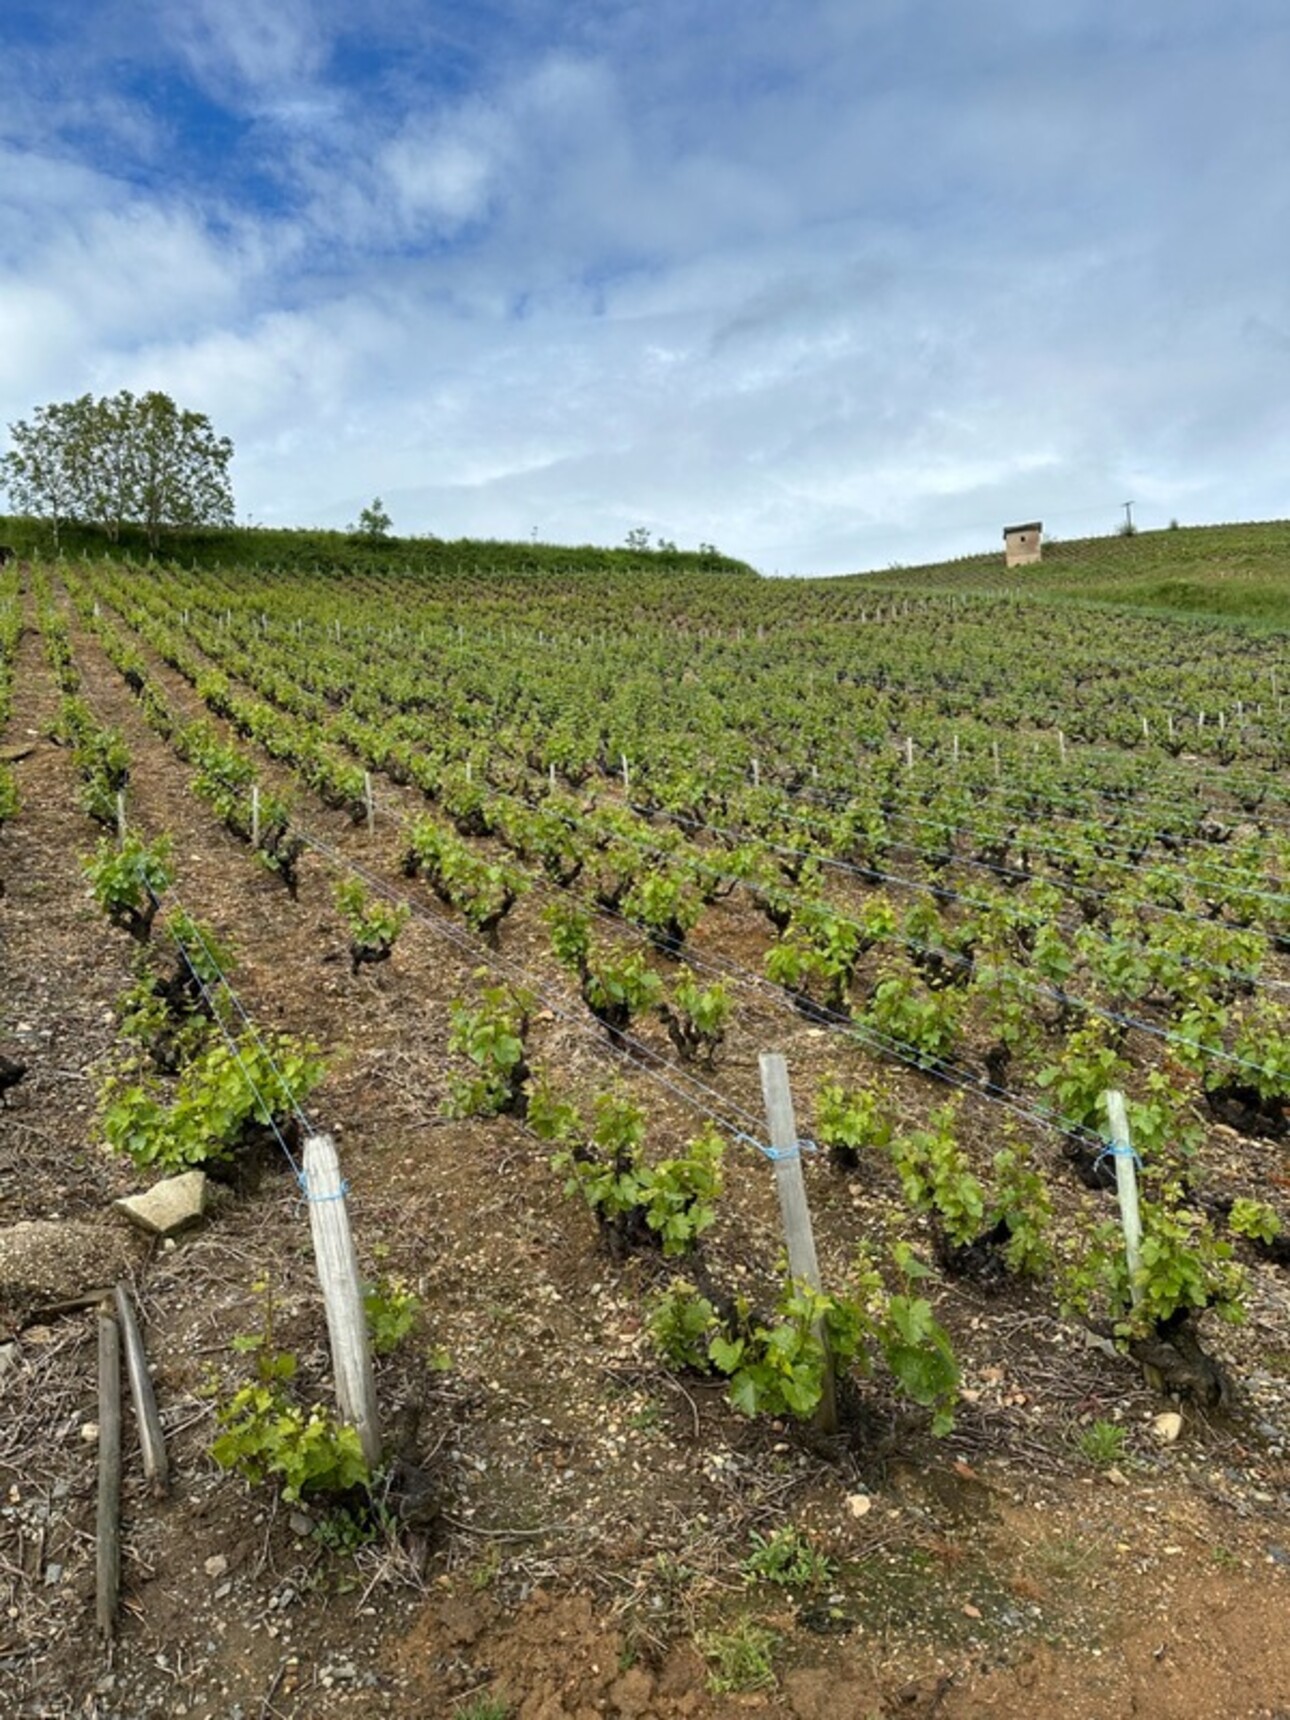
[
  {"x": 775, "y": 1154},
  {"x": 302, "y": 1177},
  {"x": 1118, "y": 1150}
]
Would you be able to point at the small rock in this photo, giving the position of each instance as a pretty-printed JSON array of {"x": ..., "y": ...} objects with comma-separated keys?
[
  {"x": 859, "y": 1504},
  {"x": 1167, "y": 1427},
  {"x": 90, "y": 1432},
  {"x": 216, "y": 1565},
  {"x": 53, "y": 1574},
  {"x": 300, "y": 1523},
  {"x": 168, "y": 1207}
]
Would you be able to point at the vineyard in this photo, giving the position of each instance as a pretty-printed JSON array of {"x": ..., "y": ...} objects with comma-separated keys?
[{"x": 509, "y": 875}]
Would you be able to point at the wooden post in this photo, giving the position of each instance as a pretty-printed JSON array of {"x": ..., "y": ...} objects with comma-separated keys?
[
  {"x": 107, "y": 1527},
  {"x": 998, "y": 769},
  {"x": 255, "y": 815},
  {"x": 120, "y": 815},
  {"x": 794, "y": 1211},
  {"x": 1126, "y": 1186},
  {"x": 756, "y": 774},
  {"x": 152, "y": 1443},
  {"x": 956, "y": 749},
  {"x": 627, "y": 781},
  {"x": 370, "y": 803},
  {"x": 909, "y": 752},
  {"x": 342, "y": 1290},
  {"x": 1061, "y": 746}
]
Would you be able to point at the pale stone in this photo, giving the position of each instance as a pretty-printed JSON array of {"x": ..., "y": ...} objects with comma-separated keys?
[
  {"x": 216, "y": 1565},
  {"x": 1167, "y": 1427},
  {"x": 859, "y": 1504},
  {"x": 168, "y": 1207}
]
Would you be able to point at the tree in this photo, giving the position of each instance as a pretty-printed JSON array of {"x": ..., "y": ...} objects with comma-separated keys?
[
  {"x": 41, "y": 470},
  {"x": 178, "y": 470},
  {"x": 373, "y": 521},
  {"x": 119, "y": 461}
]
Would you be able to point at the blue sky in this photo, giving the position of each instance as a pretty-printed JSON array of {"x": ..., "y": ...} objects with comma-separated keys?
[{"x": 830, "y": 283}]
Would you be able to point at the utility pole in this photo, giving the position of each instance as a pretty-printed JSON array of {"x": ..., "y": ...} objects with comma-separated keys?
[{"x": 1128, "y": 518}]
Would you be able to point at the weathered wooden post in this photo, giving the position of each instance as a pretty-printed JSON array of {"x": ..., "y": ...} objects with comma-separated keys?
[
  {"x": 107, "y": 1524},
  {"x": 152, "y": 1443},
  {"x": 351, "y": 1354},
  {"x": 794, "y": 1210},
  {"x": 1126, "y": 1187}
]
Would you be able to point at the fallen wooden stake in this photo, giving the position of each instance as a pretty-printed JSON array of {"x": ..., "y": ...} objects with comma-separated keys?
[
  {"x": 107, "y": 1529},
  {"x": 152, "y": 1442}
]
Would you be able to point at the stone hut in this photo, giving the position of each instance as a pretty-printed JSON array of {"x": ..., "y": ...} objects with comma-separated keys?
[{"x": 1022, "y": 544}]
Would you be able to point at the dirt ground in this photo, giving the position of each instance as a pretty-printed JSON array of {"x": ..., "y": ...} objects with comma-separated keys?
[{"x": 573, "y": 1523}]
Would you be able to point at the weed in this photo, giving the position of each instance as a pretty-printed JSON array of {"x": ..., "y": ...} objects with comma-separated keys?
[
  {"x": 786, "y": 1557},
  {"x": 483, "y": 1708},
  {"x": 738, "y": 1658},
  {"x": 1102, "y": 1442}
]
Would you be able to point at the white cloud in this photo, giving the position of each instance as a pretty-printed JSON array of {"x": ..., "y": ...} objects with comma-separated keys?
[
  {"x": 269, "y": 53},
  {"x": 791, "y": 279}
]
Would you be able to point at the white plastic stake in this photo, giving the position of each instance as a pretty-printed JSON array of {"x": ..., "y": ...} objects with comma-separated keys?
[
  {"x": 1126, "y": 1186},
  {"x": 1061, "y": 746},
  {"x": 627, "y": 781},
  {"x": 803, "y": 1265},
  {"x": 351, "y": 1355},
  {"x": 909, "y": 752}
]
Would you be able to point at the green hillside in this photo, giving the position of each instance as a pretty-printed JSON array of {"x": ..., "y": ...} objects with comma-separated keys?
[{"x": 1238, "y": 572}]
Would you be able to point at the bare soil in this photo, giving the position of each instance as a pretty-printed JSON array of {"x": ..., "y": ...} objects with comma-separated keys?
[{"x": 572, "y": 1520}]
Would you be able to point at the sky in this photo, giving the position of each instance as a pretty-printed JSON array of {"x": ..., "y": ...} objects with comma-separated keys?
[{"x": 832, "y": 284}]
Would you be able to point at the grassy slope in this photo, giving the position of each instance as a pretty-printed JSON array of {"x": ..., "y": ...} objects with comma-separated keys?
[
  {"x": 1219, "y": 573},
  {"x": 1236, "y": 572},
  {"x": 309, "y": 550}
]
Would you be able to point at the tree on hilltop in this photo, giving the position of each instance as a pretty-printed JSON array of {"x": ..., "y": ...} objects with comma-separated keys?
[
  {"x": 120, "y": 461},
  {"x": 373, "y": 521}
]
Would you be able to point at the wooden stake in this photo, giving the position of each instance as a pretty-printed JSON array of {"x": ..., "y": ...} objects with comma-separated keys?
[
  {"x": 120, "y": 815},
  {"x": 107, "y": 1528},
  {"x": 796, "y": 1214},
  {"x": 627, "y": 781},
  {"x": 1126, "y": 1187},
  {"x": 255, "y": 815},
  {"x": 342, "y": 1290},
  {"x": 371, "y": 804},
  {"x": 152, "y": 1442}
]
